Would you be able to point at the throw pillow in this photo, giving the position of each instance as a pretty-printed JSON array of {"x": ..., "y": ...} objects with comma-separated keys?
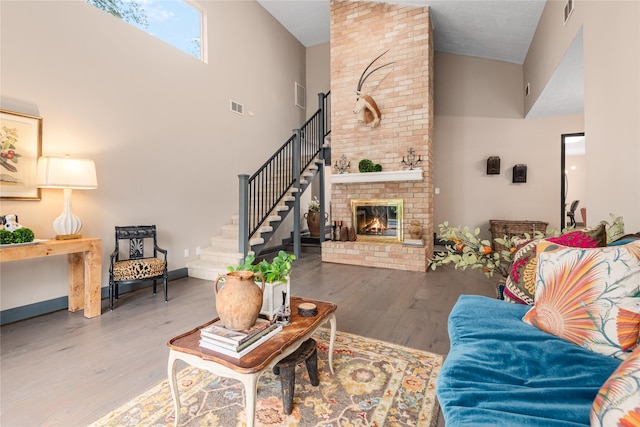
[
  {"x": 520, "y": 284},
  {"x": 618, "y": 401},
  {"x": 590, "y": 297},
  {"x": 615, "y": 230},
  {"x": 628, "y": 238}
]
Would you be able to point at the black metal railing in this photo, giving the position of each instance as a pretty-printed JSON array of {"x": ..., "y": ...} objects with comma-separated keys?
[{"x": 261, "y": 192}]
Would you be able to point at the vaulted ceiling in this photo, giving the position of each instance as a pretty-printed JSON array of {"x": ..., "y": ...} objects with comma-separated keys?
[{"x": 501, "y": 30}]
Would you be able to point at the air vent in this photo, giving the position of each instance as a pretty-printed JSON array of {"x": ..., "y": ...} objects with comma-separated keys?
[
  {"x": 527, "y": 90},
  {"x": 236, "y": 107},
  {"x": 568, "y": 9},
  {"x": 300, "y": 96}
]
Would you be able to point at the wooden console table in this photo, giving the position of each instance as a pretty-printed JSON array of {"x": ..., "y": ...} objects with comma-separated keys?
[{"x": 84, "y": 259}]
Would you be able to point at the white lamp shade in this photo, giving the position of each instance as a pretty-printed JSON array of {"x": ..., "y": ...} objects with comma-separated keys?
[{"x": 66, "y": 172}]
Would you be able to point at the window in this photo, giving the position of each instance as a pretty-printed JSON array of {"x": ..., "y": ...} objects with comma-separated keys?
[{"x": 173, "y": 21}]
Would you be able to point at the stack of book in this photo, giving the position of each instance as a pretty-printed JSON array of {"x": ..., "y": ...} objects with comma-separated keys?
[{"x": 237, "y": 343}]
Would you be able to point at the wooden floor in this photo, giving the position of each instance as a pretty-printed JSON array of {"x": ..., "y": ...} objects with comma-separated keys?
[{"x": 61, "y": 369}]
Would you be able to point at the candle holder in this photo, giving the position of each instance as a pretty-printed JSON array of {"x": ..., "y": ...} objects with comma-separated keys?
[
  {"x": 342, "y": 166},
  {"x": 412, "y": 160}
]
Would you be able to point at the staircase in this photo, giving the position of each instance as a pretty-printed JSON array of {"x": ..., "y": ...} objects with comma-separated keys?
[
  {"x": 269, "y": 195},
  {"x": 224, "y": 252}
]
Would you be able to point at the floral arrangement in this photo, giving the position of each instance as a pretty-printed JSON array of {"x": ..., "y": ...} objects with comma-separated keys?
[
  {"x": 468, "y": 250},
  {"x": 314, "y": 204}
]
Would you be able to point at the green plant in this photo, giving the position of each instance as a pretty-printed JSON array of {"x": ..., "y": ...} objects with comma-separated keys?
[
  {"x": 6, "y": 237},
  {"x": 21, "y": 235},
  {"x": 467, "y": 250},
  {"x": 275, "y": 271},
  {"x": 366, "y": 165}
]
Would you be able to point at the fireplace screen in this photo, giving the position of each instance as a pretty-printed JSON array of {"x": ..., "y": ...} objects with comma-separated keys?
[{"x": 377, "y": 219}]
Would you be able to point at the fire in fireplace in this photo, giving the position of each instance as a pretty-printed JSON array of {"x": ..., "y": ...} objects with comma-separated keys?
[{"x": 378, "y": 220}]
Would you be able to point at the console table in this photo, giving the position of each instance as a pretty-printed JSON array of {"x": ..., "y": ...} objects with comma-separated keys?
[{"x": 84, "y": 260}]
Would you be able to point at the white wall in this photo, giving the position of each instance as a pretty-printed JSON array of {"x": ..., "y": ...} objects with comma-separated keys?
[{"x": 155, "y": 120}]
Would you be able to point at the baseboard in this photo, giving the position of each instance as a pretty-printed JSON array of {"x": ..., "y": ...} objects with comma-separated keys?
[{"x": 62, "y": 303}]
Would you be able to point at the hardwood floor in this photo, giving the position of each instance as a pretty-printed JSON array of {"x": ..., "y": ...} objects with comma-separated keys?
[{"x": 62, "y": 369}]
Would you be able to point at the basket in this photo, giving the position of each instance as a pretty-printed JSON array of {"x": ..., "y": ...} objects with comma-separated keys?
[{"x": 500, "y": 228}]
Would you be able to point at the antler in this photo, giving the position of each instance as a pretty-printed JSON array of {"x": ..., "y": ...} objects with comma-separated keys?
[{"x": 363, "y": 77}]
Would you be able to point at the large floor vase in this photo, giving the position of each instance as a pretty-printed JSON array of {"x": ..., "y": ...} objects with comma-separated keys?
[
  {"x": 239, "y": 300},
  {"x": 313, "y": 222}
]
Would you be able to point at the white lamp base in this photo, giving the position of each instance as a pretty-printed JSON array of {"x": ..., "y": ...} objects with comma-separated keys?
[{"x": 67, "y": 225}]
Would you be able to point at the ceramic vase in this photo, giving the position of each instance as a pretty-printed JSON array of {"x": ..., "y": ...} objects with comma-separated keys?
[
  {"x": 239, "y": 300},
  {"x": 313, "y": 222}
]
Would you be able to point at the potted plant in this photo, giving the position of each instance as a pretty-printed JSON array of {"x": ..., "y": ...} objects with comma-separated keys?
[{"x": 277, "y": 287}]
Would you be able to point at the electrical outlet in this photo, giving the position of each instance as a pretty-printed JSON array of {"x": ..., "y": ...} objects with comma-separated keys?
[
  {"x": 197, "y": 250},
  {"x": 186, "y": 253},
  {"x": 437, "y": 190}
]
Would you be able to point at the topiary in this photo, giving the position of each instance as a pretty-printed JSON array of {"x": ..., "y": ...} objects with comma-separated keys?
[
  {"x": 23, "y": 235},
  {"x": 6, "y": 237},
  {"x": 377, "y": 167},
  {"x": 365, "y": 165}
]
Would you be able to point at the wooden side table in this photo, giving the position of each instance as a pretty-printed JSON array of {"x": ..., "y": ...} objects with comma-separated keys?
[
  {"x": 250, "y": 367},
  {"x": 84, "y": 260}
]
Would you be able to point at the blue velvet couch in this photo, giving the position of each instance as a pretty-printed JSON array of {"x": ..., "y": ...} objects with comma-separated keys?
[{"x": 501, "y": 371}]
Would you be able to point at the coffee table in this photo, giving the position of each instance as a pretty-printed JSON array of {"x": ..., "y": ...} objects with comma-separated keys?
[{"x": 251, "y": 366}]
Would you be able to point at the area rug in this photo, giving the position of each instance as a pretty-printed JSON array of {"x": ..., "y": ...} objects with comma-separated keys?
[{"x": 375, "y": 384}]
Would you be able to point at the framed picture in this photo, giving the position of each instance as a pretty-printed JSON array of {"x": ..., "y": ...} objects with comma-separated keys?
[{"x": 20, "y": 147}]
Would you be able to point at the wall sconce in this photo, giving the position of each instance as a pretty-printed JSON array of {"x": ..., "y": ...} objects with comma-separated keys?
[
  {"x": 493, "y": 165},
  {"x": 68, "y": 174},
  {"x": 520, "y": 173}
]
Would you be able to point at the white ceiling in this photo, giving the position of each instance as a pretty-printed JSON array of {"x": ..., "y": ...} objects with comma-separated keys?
[{"x": 493, "y": 29}]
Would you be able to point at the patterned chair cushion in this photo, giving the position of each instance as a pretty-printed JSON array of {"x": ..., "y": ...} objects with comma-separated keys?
[
  {"x": 135, "y": 269},
  {"x": 520, "y": 284}
]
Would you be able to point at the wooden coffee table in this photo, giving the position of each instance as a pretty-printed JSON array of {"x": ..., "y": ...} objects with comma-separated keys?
[{"x": 251, "y": 366}]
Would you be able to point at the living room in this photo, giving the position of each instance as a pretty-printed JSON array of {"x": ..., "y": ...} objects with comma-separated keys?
[
  {"x": 52, "y": 69},
  {"x": 156, "y": 122}
]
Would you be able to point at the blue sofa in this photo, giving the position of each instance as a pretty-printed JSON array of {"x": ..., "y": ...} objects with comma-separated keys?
[{"x": 501, "y": 371}]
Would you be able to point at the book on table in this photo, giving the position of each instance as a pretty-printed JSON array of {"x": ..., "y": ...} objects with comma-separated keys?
[
  {"x": 219, "y": 333},
  {"x": 244, "y": 348}
]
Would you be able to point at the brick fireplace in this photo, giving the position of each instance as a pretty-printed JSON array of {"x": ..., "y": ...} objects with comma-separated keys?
[{"x": 403, "y": 91}]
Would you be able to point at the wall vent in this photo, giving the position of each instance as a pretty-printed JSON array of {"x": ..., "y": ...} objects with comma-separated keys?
[
  {"x": 527, "y": 90},
  {"x": 300, "y": 96},
  {"x": 236, "y": 107},
  {"x": 568, "y": 9}
]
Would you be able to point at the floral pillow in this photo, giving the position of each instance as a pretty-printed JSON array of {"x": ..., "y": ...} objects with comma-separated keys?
[
  {"x": 520, "y": 284},
  {"x": 590, "y": 297},
  {"x": 618, "y": 401}
]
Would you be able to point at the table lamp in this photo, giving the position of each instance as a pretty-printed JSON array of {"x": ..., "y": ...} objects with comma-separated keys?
[{"x": 66, "y": 173}]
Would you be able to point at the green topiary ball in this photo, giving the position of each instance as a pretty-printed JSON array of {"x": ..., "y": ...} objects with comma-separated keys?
[
  {"x": 366, "y": 165},
  {"x": 23, "y": 235},
  {"x": 6, "y": 237}
]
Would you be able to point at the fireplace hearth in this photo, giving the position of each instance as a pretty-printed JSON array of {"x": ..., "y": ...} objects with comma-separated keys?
[{"x": 377, "y": 220}]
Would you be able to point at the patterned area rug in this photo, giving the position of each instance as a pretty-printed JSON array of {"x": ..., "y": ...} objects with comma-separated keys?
[{"x": 375, "y": 384}]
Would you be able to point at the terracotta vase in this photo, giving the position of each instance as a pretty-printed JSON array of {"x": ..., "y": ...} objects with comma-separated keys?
[
  {"x": 239, "y": 300},
  {"x": 313, "y": 222}
]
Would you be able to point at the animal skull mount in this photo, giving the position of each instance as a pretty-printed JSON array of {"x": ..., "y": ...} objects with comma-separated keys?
[{"x": 366, "y": 109}]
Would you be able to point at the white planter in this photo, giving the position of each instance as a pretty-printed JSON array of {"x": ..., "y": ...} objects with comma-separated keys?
[{"x": 272, "y": 297}]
